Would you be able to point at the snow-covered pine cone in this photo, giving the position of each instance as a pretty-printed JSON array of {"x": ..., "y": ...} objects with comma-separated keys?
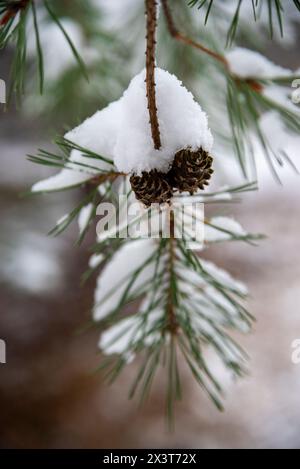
[
  {"x": 151, "y": 188},
  {"x": 191, "y": 170}
]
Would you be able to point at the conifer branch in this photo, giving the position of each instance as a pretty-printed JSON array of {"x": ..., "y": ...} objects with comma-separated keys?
[
  {"x": 151, "y": 18},
  {"x": 185, "y": 39}
]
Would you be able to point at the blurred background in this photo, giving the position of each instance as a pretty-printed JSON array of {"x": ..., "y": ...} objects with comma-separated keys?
[{"x": 49, "y": 395}]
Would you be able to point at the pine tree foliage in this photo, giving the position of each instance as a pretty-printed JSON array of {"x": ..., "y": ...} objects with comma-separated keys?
[
  {"x": 275, "y": 12},
  {"x": 170, "y": 305}
]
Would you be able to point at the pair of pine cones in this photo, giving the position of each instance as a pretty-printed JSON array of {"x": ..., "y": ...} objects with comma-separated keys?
[{"x": 190, "y": 171}]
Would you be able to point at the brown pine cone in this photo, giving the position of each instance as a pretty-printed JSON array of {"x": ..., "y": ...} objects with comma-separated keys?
[
  {"x": 151, "y": 188},
  {"x": 191, "y": 170}
]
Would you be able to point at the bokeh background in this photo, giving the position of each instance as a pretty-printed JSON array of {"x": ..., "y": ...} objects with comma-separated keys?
[{"x": 49, "y": 395}]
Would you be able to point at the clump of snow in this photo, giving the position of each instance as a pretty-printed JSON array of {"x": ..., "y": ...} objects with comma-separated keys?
[
  {"x": 121, "y": 132},
  {"x": 79, "y": 169},
  {"x": 113, "y": 281},
  {"x": 98, "y": 133},
  {"x": 182, "y": 124},
  {"x": 84, "y": 217},
  {"x": 62, "y": 219},
  {"x": 122, "y": 337},
  {"x": 224, "y": 277},
  {"x": 95, "y": 260},
  {"x": 222, "y": 228},
  {"x": 246, "y": 63}
]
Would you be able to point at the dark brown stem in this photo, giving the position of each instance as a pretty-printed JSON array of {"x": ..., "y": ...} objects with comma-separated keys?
[
  {"x": 151, "y": 13},
  {"x": 101, "y": 178},
  {"x": 172, "y": 323},
  {"x": 185, "y": 39}
]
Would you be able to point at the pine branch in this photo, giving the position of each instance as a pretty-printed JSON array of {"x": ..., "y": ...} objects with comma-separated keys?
[
  {"x": 181, "y": 37},
  {"x": 151, "y": 14},
  {"x": 38, "y": 48},
  {"x": 14, "y": 17},
  {"x": 76, "y": 55},
  {"x": 275, "y": 9},
  {"x": 246, "y": 103},
  {"x": 184, "y": 302},
  {"x": 175, "y": 316}
]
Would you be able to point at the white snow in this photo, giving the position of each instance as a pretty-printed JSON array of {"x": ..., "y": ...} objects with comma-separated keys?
[
  {"x": 84, "y": 217},
  {"x": 113, "y": 280},
  {"x": 127, "y": 332},
  {"x": 62, "y": 219},
  {"x": 212, "y": 233},
  {"x": 182, "y": 124},
  {"x": 71, "y": 177},
  {"x": 95, "y": 260},
  {"x": 224, "y": 277},
  {"x": 121, "y": 132},
  {"x": 117, "y": 338},
  {"x": 246, "y": 63},
  {"x": 98, "y": 133}
]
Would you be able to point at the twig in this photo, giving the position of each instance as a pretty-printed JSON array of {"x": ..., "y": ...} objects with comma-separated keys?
[
  {"x": 111, "y": 176},
  {"x": 151, "y": 13},
  {"x": 172, "y": 323},
  {"x": 185, "y": 39},
  {"x": 190, "y": 42}
]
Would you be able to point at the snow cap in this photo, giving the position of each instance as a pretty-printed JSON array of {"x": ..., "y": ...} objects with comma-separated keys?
[
  {"x": 246, "y": 63},
  {"x": 121, "y": 132},
  {"x": 182, "y": 124}
]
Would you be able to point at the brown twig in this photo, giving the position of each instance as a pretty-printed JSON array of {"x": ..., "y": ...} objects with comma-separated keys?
[
  {"x": 101, "y": 178},
  {"x": 13, "y": 8},
  {"x": 172, "y": 323},
  {"x": 185, "y": 39},
  {"x": 151, "y": 14}
]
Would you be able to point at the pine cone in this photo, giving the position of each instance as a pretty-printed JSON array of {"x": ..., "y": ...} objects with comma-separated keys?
[
  {"x": 151, "y": 188},
  {"x": 191, "y": 170}
]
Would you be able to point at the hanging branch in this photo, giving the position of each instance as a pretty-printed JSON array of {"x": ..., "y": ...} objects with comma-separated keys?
[
  {"x": 185, "y": 39},
  {"x": 151, "y": 15}
]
